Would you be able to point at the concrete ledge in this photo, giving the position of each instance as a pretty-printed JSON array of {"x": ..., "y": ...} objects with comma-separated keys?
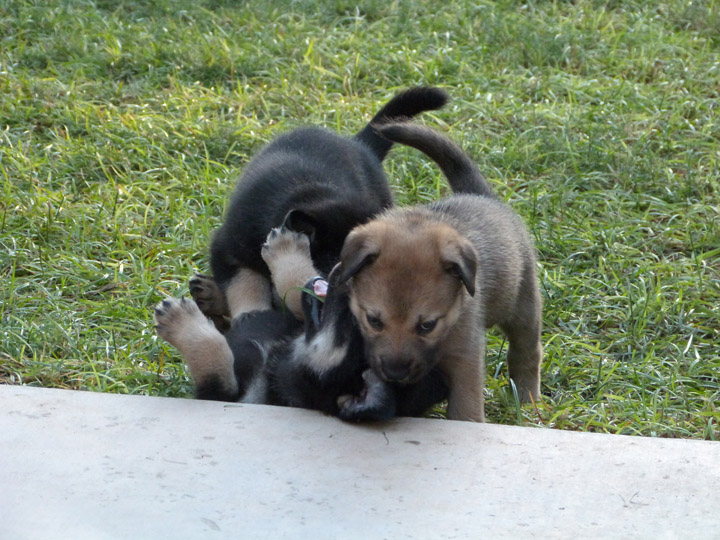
[{"x": 85, "y": 465}]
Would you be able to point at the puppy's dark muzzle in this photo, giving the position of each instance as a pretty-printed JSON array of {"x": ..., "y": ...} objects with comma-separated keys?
[{"x": 398, "y": 371}]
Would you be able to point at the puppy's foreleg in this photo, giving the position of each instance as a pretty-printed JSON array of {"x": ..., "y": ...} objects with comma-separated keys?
[
  {"x": 462, "y": 361},
  {"x": 208, "y": 296},
  {"x": 466, "y": 379},
  {"x": 376, "y": 403},
  {"x": 287, "y": 254},
  {"x": 248, "y": 291},
  {"x": 204, "y": 349}
]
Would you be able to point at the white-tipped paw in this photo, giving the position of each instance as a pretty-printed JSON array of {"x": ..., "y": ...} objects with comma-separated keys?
[
  {"x": 175, "y": 317},
  {"x": 282, "y": 243}
]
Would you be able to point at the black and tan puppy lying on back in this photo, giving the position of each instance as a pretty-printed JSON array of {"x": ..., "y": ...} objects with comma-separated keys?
[{"x": 424, "y": 283}]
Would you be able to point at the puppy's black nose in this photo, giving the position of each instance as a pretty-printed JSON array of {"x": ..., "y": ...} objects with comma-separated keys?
[{"x": 395, "y": 370}]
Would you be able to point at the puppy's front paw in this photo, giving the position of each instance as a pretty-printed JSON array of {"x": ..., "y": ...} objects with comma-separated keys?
[
  {"x": 376, "y": 402},
  {"x": 208, "y": 296},
  {"x": 347, "y": 400},
  {"x": 287, "y": 254},
  {"x": 175, "y": 317},
  {"x": 282, "y": 244}
]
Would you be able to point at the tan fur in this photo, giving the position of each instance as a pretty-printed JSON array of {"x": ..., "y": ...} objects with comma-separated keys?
[
  {"x": 464, "y": 365},
  {"x": 414, "y": 265},
  {"x": 248, "y": 291},
  {"x": 287, "y": 255},
  {"x": 202, "y": 346}
]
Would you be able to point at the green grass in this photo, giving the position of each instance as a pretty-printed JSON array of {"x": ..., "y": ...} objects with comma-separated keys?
[{"x": 122, "y": 125}]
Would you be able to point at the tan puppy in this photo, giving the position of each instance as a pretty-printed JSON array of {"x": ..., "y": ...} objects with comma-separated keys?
[{"x": 425, "y": 282}]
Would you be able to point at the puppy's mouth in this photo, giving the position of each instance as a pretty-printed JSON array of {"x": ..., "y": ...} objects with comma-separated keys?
[
  {"x": 397, "y": 372},
  {"x": 313, "y": 298}
]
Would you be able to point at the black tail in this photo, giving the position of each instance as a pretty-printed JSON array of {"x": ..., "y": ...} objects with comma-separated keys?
[
  {"x": 404, "y": 106},
  {"x": 461, "y": 172}
]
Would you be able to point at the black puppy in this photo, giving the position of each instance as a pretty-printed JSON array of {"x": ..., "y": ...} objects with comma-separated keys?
[
  {"x": 322, "y": 368},
  {"x": 316, "y": 182}
]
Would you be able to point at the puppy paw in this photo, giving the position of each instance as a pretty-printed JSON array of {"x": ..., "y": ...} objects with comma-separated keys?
[
  {"x": 375, "y": 403},
  {"x": 287, "y": 254},
  {"x": 208, "y": 296},
  {"x": 205, "y": 350},
  {"x": 175, "y": 318},
  {"x": 346, "y": 401},
  {"x": 283, "y": 245}
]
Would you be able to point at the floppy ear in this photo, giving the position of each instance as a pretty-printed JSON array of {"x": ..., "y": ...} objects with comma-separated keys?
[
  {"x": 302, "y": 222},
  {"x": 460, "y": 260},
  {"x": 334, "y": 277},
  {"x": 358, "y": 251}
]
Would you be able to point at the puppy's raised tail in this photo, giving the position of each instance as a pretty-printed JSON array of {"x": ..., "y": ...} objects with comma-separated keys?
[
  {"x": 460, "y": 170},
  {"x": 403, "y": 106}
]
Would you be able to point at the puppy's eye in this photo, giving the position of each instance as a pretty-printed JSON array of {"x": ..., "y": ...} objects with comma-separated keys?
[
  {"x": 374, "y": 322},
  {"x": 426, "y": 327}
]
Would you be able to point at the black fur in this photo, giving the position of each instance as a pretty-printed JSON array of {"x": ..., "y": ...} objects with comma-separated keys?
[
  {"x": 322, "y": 183},
  {"x": 252, "y": 337},
  {"x": 459, "y": 169}
]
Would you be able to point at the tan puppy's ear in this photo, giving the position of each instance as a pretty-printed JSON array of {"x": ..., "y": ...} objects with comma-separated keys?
[
  {"x": 358, "y": 251},
  {"x": 459, "y": 259},
  {"x": 333, "y": 279}
]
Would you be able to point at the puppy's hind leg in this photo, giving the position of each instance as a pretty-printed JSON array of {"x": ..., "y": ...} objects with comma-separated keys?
[
  {"x": 248, "y": 291},
  {"x": 523, "y": 357},
  {"x": 204, "y": 349},
  {"x": 211, "y": 300},
  {"x": 525, "y": 349}
]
